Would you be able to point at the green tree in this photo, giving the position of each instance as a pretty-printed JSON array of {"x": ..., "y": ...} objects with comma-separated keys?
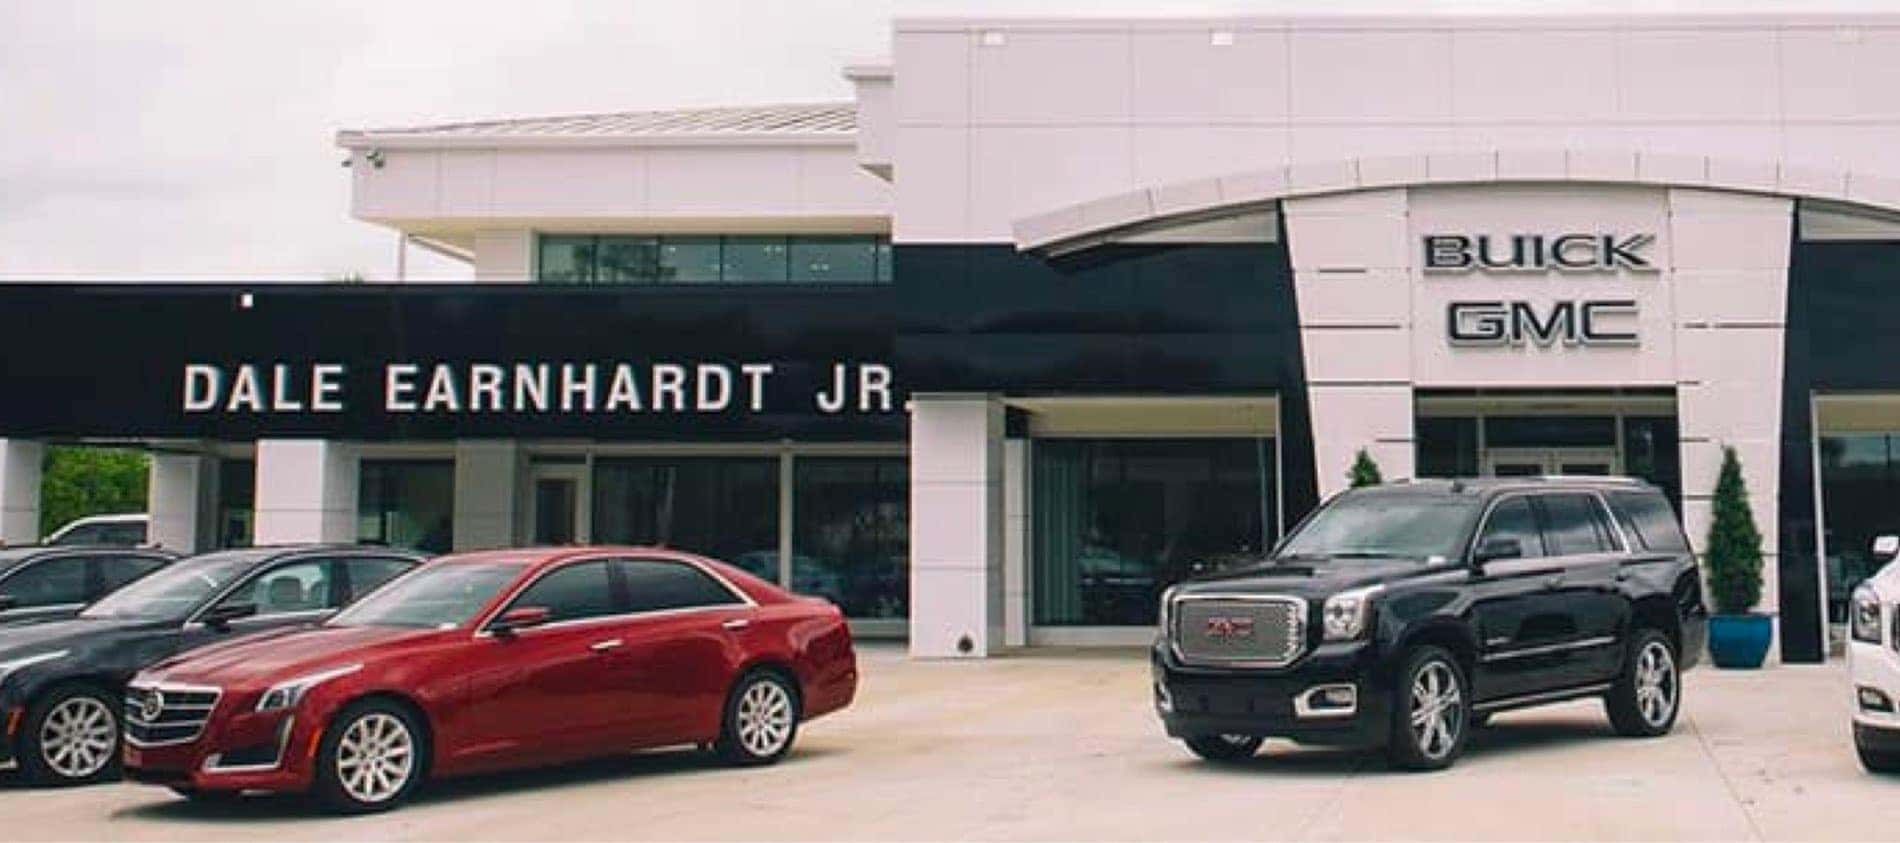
[
  {"x": 1364, "y": 471},
  {"x": 1734, "y": 543},
  {"x": 79, "y": 481}
]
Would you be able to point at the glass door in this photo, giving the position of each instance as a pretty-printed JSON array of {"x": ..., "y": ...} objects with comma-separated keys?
[
  {"x": 556, "y": 515},
  {"x": 1533, "y": 462}
]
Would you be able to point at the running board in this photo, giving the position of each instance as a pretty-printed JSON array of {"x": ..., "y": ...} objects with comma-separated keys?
[{"x": 1525, "y": 700}]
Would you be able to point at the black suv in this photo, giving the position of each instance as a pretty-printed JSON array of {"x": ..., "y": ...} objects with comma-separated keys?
[
  {"x": 50, "y": 582},
  {"x": 1405, "y": 615},
  {"x": 62, "y": 682}
]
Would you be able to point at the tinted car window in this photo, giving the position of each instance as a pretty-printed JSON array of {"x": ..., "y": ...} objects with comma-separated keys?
[
  {"x": 576, "y": 591},
  {"x": 654, "y": 585},
  {"x": 116, "y": 571},
  {"x": 1650, "y": 520},
  {"x": 296, "y": 587},
  {"x": 440, "y": 597},
  {"x": 1573, "y": 524},
  {"x": 122, "y": 534},
  {"x": 1512, "y": 519},
  {"x": 48, "y": 582},
  {"x": 366, "y": 574}
]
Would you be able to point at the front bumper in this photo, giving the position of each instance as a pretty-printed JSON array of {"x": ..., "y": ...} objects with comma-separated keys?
[
  {"x": 1873, "y": 672},
  {"x": 268, "y": 751},
  {"x": 1194, "y": 701}
]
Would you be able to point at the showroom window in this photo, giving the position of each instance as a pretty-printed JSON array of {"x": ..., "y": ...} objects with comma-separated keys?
[
  {"x": 713, "y": 259},
  {"x": 722, "y": 507},
  {"x": 1860, "y": 479},
  {"x": 407, "y": 503},
  {"x": 237, "y": 486},
  {"x": 1118, "y": 520},
  {"x": 851, "y": 533}
]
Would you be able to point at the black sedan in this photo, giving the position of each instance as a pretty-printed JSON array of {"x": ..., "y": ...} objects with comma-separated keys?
[{"x": 47, "y": 582}]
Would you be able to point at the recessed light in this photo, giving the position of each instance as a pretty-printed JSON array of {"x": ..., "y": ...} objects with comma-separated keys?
[{"x": 1221, "y": 38}]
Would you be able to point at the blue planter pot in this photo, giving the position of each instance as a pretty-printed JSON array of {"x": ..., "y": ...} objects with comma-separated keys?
[{"x": 1740, "y": 641}]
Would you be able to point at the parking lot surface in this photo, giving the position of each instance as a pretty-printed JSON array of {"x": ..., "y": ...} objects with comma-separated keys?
[{"x": 1062, "y": 745}]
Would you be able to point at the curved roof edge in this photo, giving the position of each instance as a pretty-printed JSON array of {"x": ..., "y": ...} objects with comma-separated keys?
[{"x": 1210, "y": 195}]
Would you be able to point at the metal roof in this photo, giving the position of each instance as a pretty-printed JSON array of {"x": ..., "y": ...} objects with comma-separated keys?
[{"x": 802, "y": 121}]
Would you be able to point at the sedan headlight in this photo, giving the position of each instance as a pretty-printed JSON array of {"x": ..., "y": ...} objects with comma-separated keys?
[
  {"x": 12, "y": 665},
  {"x": 1348, "y": 613},
  {"x": 1863, "y": 615},
  {"x": 288, "y": 693}
]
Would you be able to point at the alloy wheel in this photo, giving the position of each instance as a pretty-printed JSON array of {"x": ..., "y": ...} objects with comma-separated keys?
[
  {"x": 765, "y": 718},
  {"x": 375, "y": 758},
  {"x": 1655, "y": 683},
  {"x": 78, "y": 738},
  {"x": 1437, "y": 710}
]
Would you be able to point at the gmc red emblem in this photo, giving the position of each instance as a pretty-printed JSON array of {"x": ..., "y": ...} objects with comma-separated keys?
[{"x": 1224, "y": 628}]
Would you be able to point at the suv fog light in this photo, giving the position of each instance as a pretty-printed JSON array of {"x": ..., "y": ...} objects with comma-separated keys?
[
  {"x": 1874, "y": 699},
  {"x": 1340, "y": 700}
]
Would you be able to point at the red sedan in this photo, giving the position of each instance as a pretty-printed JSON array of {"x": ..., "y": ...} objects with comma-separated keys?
[{"x": 488, "y": 661}]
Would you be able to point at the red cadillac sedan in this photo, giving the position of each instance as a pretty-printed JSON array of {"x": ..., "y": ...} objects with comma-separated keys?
[{"x": 495, "y": 660}]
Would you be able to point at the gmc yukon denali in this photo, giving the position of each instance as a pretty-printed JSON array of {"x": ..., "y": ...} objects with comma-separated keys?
[{"x": 1403, "y": 616}]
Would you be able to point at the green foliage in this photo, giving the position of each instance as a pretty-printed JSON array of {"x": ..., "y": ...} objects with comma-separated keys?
[
  {"x": 1364, "y": 471},
  {"x": 1734, "y": 543},
  {"x": 76, "y": 482}
]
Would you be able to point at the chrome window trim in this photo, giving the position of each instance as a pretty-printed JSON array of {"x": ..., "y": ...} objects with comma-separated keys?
[
  {"x": 746, "y": 601},
  {"x": 217, "y": 696},
  {"x": 1528, "y": 699},
  {"x": 1299, "y": 639}
]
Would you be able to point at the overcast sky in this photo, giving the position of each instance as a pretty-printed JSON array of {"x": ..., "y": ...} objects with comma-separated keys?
[{"x": 184, "y": 139}]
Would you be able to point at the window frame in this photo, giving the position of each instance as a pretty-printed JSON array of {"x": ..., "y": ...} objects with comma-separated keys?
[
  {"x": 485, "y": 627},
  {"x": 882, "y": 259}
]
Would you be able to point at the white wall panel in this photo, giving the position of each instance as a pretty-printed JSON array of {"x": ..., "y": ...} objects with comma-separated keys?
[
  {"x": 1703, "y": 74},
  {"x": 932, "y": 76},
  {"x": 1367, "y": 76},
  {"x": 1501, "y": 75},
  {"x": 1063, "y": 78},
  {"x": 1172, "y": 71}
]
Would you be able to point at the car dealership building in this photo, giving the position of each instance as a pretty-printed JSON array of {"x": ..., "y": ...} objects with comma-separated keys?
[{"x": 1058, "y": 311}]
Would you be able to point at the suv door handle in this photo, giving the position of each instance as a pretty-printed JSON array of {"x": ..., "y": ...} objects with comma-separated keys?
[
  {"x": 735, "y": 624},
  {"x": 604, "y": 646}
]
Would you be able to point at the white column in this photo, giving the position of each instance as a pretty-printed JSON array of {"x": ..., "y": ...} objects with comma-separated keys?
[
  {"x": 1730, "y": 256},
  {"x": 956, "y": 525},
  {"x": 179, "y": 495},
  {"x": 487, "y": 492},
  {"x": 1351, "y": 276},
  {"x": 1017, "y": 551},
  {"x": 306, "y": 491},
  {"x": 504, "y": 256},
  {"x": 20, "y": 490}
]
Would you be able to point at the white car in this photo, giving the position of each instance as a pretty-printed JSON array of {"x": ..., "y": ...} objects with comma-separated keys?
[
  {"x": 1873, "y": 661},
  {"x": 127, "y": 530}
]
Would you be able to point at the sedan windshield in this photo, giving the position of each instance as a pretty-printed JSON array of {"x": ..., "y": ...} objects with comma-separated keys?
[
  {"x": 432, "y": 597},
  {"x": 1385, "y": 526},
  {"x": 173, "y": 592}
]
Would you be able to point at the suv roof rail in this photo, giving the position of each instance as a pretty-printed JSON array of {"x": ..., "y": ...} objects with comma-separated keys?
[{"x": 1620, "y": 479}]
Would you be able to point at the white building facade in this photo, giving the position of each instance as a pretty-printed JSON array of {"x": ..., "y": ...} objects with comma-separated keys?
[{"x": 1059, "y": 311}]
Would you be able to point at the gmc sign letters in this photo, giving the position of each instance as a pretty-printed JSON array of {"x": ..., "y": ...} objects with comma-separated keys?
[{"x": 1518, "y": 323}]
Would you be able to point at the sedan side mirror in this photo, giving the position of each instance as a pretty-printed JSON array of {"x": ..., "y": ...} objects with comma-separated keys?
[
  {"x": 1498, "y": 547},
  {"x": 220, "y": 617},
  {"x": 1885, "y": 548},
  {"x": 8, "y": 601},
  {"x": 519, "y": 618}
]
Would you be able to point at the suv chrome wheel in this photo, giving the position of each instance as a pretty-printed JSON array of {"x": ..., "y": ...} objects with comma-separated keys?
[
  {"x": 1655, "y": 683},
  {"x": 78, "y": 738},
  {"x": 1646, "y": 698},
  {"x": 1437, "y": 710}
]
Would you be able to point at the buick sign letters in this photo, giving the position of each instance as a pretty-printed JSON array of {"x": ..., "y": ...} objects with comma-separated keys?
[{"x": 1520, "y": 323}]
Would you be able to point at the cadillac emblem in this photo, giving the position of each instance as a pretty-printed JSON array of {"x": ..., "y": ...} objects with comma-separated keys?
[
  {"x": 1222, "y": 628},
  {"x": 152, "y": 705}
]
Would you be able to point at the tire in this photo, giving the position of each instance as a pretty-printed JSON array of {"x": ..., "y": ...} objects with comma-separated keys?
[
  {"x": 760, "y": 720},
  {"x": 1225, "y": 748},
  {"x": 1877, "y": 761},
  {"x": 1647, "y": 697},
  {"x": 70, "y": 736},
  {"x": 372, "y": 758},
  {"x": 1432, "y": 690}
]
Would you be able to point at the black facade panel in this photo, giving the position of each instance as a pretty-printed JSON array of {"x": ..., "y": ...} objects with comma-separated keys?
[{"x": 1840, "y": 297}]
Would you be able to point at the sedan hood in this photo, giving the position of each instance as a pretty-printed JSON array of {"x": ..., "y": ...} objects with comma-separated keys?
[
  {"x": 258, "y": 661},
  {"x": 73, "y": 634},
  {"x": 1311, "y": 578}
]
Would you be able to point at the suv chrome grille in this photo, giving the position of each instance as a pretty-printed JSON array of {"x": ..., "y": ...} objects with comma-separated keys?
[
  {"x": 156, "y": 715},
  {"x": 1239, "y": 630}
]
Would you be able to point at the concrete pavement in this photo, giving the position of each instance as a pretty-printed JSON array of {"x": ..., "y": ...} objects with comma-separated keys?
[{"x": 1063, "y": 746}]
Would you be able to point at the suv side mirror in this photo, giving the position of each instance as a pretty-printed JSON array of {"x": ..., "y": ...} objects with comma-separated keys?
[
  {"x": 1499, "y": 547},
  {"x": 519, "y": 618},
  {"x": 1885, "y": 547},
  {"x": 220, "y": 617}
]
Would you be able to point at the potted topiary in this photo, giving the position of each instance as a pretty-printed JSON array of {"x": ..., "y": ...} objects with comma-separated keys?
[
  {"x": 1364, "y": 471},
  {"x": 1738, "y": 635}
]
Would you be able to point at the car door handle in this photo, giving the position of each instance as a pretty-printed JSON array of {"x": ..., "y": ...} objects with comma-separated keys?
[
  {"x": 735, "y": 624},
  {"x": 604, "y": 646},
  {"x": 1554, "y": 581}
]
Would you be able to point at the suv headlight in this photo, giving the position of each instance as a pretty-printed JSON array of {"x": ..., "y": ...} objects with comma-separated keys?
[
  {"x": 1863, "y": 615},
  {"x": 289, "y": 693},
  {"x": 12, "y": 665},
  {"x": 1347, "y": 614}
]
